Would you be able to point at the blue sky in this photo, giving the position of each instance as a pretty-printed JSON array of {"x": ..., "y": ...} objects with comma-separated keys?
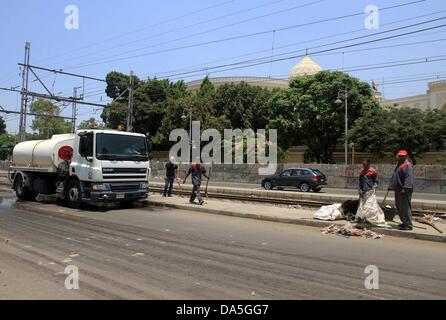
[{"x": 118, "y": 30}]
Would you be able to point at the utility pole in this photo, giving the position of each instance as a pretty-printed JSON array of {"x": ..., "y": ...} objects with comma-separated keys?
[
  {"x": 130, "y": 106},
  {"x": 343, "y": 93},
  {"x": 346, "y": 128},
  {"x": 24, "y": 100},
  {"x": 74, "y": 111}
]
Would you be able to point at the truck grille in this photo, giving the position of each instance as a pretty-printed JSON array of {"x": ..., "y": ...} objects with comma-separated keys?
[
  {"x": 124, "y": 173},
  {"x": 115, "y": 187}
]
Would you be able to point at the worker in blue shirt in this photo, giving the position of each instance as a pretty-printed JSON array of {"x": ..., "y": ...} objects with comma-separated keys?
[{"x": 402, "y": 183}]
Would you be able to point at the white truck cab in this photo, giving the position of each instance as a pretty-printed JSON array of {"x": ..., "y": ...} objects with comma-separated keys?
[{"x": 91, "y": 166}]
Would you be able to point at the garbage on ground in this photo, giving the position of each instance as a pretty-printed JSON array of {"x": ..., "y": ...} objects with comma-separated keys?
[
  {"x": 348, "y": 231},
  {"x": 439, "y": 220},
  {"x": 429, "y": 220},
  {"x": 349, "y": 210},
  {"x": 331, "y": 212}
]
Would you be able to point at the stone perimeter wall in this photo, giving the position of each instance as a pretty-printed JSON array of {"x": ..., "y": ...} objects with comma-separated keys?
[{"x": 429, "y": 179}]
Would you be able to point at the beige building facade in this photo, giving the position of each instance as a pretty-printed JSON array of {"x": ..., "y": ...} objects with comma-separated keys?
[
  {"x": 434, "y": 98},
  {"x": 306, "y": 66}
]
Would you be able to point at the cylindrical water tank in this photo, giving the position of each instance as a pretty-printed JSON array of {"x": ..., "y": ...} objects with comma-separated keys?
[{"x": 42, "y": 153}]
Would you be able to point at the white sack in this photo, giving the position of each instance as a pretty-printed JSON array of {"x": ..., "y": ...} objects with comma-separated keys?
[{"x": 331, "y": 212}]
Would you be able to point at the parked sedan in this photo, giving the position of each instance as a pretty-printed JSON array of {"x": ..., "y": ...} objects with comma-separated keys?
[{"x": 302, "y": 178}]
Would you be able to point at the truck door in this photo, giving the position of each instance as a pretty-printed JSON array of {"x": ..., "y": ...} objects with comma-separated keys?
[{"x": 85, "y": 156}]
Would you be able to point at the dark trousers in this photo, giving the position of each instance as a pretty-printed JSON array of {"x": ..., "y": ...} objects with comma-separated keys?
[
  {"x": 168, "y": 185},
  {"x": 404, "y": 206},
  {"x": 195, "y": 193}
]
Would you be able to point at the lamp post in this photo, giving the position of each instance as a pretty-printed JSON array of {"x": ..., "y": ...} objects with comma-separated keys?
[
  {"x": 184, "y": 117},
  {"x": 343, "y": 94}
]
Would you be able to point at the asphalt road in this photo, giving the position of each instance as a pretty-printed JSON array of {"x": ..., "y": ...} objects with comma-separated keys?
[{"x": 156, "y": 253}]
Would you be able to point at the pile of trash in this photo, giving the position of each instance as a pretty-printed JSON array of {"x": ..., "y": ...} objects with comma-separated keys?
[
  {"x": 348, "y": 231},
  {"x": 331, "y": 212}
]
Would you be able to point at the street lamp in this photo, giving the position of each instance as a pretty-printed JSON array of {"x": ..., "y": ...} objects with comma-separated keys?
[
  {"x": 343, "y": 94},
  {"x": 184, "y": 117}
]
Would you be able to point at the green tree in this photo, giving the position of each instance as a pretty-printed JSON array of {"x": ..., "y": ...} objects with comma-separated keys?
[
  {"x": 416, "y": 131},
  {"x": 46, "y": 123},
  {"x": 244, "y": 105},
  {"x": 90, "y": 124},
  {"x": 207, "y": 89},
  {"x": 2, "y": 126},
  {"x": 435, "y": 129},
  {"x": 284, "y": 118},
  {"x": 7, "y": 143},
  {"x": 373, "y": 131},
  {"x": 408, "y": 132},
  {"x": 307, "y": 112},
  {"x": 117, "y": 85},
  {"x": 152, "y": 100}
]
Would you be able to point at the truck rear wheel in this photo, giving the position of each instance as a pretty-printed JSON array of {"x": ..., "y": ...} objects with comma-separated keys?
[
  {"x": 74, "y": 195},
  {"x": 21, "y": 191}
]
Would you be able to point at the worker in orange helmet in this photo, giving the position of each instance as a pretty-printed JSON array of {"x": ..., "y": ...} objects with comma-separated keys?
[{"x": 402, "y": 183}]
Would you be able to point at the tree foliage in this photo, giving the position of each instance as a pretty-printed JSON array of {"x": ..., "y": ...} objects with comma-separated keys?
[
  {"x": 414, "y": 130},
  {"x": 90, "y": 124},
  {"x": 7, "y": 143},
  {"x": 2, "y": 126},
  {"x": 307, "y": 113},
  {"x": 46, "y": 123},
  {"x": 161, "y": 106}
]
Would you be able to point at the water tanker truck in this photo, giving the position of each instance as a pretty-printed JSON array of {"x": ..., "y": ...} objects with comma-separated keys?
[{"x": 90, "y": 166}]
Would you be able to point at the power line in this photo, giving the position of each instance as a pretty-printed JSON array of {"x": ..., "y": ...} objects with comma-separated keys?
[
  {"x": 296, "y": 43},
  {"x": 57, "y": 98},
  {"x": 232, "y": 38},
  {"x": 62, "y": 72},
  {"x": 2, "y": 110},
  {"x": 256, "y": 62},
  {"x": 140, "y": 29},
  {"x": 102, "y": 90},
  {"x": 196, "y": 24}
]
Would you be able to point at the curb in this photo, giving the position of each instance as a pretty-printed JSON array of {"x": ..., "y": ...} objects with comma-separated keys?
[{"x": 303, "y": 222}]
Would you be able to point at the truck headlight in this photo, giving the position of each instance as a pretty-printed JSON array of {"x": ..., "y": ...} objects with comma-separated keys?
[
  {"x": 144, "y": 185},
  {"x": 99, "y": 186}
]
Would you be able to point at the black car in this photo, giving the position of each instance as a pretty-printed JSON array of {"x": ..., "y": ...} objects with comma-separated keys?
[{"x": 302, "y": 178}]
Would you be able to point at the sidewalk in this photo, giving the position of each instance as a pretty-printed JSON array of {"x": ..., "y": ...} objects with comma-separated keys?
[
  {"x": 300, "y": 216},
  {"x": 417, "y": 204}
]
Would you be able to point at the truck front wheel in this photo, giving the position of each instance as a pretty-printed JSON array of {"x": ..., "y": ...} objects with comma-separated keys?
[
  {"x": 74, "y": 195},
  {"x": 21, "y": 191}
]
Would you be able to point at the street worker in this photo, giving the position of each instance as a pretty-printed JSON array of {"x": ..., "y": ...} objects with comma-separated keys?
[
  {"x": 402, "y": 183},
  {"x": 369, "y": 209},
  {"x": 197, "y": 170},
  {"x": 170, "y": 174}
]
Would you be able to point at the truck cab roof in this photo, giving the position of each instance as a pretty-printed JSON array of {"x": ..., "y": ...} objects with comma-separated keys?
[{"x": 110, "y": 131}]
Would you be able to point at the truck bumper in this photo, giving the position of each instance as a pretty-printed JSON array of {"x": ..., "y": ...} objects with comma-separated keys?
[{"x": 110, "y": 196}]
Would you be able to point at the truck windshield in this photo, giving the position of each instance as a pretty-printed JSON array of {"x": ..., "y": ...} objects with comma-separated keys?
[{"x": 121, "y": 147}]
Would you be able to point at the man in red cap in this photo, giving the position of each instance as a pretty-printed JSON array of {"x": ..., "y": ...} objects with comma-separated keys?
[{"x": 402, "y": 183}]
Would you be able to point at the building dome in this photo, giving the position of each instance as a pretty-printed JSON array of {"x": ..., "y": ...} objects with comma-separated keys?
[{"x": 306, "y": 66}]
